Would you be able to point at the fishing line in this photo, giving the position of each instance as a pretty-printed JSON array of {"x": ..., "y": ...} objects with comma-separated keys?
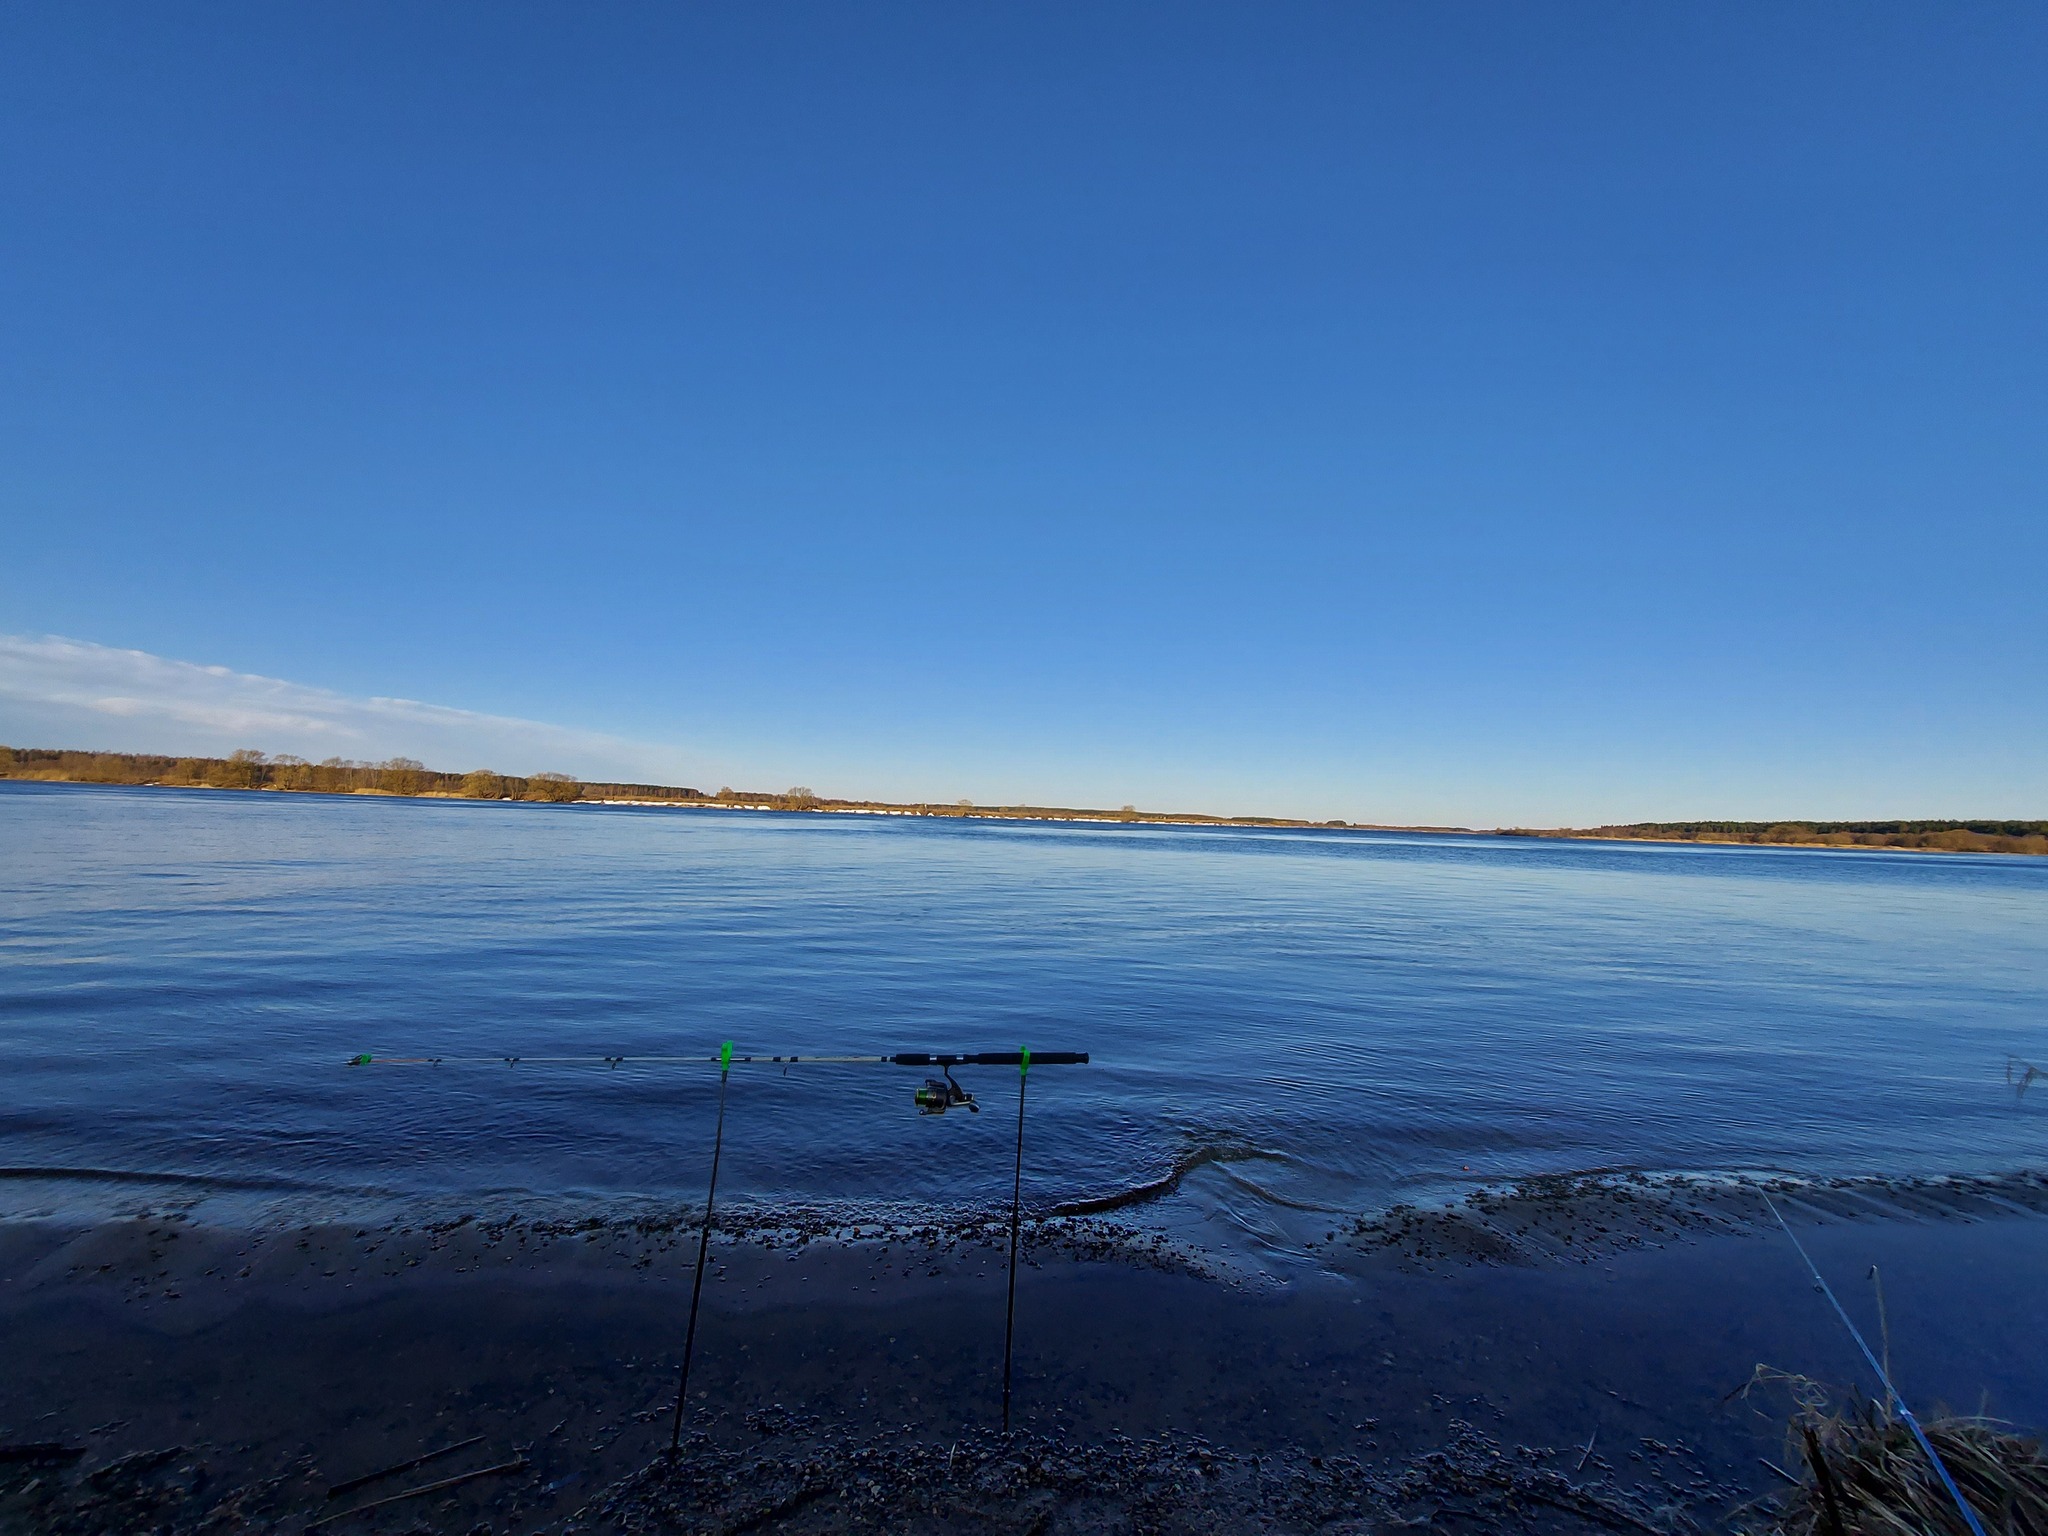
[
  {"x": 675, "y": 1438},
  {"x": 1933, "y": 1456}
]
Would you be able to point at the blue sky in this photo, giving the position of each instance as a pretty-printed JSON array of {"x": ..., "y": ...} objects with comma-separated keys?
[{"x": 1459, "y": 413}]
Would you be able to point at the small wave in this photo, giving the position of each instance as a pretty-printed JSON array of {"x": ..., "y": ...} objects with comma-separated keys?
[
  {"x": 1199, "y": 1156},
  {"x": 1284, "y": 1202},
  {"x": 134, "y": 1176},
  {"x": 1587, "y": 1214}
]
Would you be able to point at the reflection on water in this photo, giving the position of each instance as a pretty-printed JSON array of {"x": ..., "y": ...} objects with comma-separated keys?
[{"x": 1283, "y": 1024}]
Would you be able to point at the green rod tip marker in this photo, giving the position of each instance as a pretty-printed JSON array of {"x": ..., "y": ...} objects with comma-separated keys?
[{"x": 725, "y": 1057}]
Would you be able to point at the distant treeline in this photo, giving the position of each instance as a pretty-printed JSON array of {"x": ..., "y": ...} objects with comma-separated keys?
[
  {"x": 1942, "y": 836},
  {"x": 335, "y": 776},
  {"x": 404, "y": 776}
]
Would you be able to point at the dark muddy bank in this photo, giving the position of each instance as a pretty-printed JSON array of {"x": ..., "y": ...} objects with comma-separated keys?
[
  {"x": 848, "y": 1375},
  {"x": 1172, "y": 1482}
]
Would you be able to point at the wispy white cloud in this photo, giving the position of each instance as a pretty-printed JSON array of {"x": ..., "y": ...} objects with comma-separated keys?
[{"x": 73, "y": 693}]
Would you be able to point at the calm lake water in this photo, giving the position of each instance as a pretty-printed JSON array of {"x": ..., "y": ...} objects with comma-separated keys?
[{"x": 1379, "y": 1017}]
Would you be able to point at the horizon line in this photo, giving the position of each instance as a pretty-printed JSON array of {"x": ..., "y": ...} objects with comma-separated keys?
[{"x": 404, "y": 777}]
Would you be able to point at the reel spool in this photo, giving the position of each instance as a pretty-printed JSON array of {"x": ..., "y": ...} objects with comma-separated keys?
[{"x": 934, "y": 1096}]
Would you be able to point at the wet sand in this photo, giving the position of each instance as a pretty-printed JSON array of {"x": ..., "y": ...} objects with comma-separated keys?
[{"x": 1566, "y": 1356}]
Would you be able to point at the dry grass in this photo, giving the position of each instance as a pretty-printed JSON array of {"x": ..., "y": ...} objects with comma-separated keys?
[{"x": 1861, "y": 1472}]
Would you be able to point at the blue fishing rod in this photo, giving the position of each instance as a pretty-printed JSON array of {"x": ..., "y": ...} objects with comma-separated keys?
[
  {"x": 934, "y": 1096},
  {"x": 1883, "y": 1373}
]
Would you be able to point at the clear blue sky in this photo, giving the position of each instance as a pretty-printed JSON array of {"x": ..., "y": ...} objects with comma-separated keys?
[{"x": 1461, "y": 413}]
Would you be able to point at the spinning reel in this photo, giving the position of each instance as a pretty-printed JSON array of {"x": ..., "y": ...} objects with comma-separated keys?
[{"x": 934, "y": 1096}]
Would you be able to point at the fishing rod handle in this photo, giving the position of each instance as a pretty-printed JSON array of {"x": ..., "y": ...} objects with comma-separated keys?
[{"x": 989, "y": 1059}]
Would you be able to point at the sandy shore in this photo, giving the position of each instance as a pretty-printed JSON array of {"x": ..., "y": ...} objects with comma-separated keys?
[{"x": 1449, "y": 1369}]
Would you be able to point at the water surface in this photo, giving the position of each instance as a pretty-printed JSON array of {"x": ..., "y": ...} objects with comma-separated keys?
[{"x": 1375, "y": 1016}]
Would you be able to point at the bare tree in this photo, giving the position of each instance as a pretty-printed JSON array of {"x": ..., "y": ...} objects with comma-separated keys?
[
  {"x": 482, "y": 784},
  {"x": 402, "y": 776},
  {"x": 242, "y": 770},
  {"x": 554, "y": 788}
]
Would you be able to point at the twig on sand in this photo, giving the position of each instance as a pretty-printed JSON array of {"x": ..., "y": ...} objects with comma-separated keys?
[
  {"x": 1831, "y": 1503},
  {"x": 1587, "y": 1451},
  {"x": 517, "y": 1464},
  {"x": 403, "y": 1466}
]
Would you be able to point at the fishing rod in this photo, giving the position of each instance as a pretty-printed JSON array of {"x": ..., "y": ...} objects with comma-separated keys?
[
  {"x": 934, "y": 1096},
  {"x": 1883, "y": 1374},
  {"x": 899, "y": 1059}
]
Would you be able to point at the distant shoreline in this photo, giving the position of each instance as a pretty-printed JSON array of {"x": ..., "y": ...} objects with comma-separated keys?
[
  {"x": 407, "y": 779},
  {"x": 2023, "y": 838},
  {"x": 822, "y": 808}
]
